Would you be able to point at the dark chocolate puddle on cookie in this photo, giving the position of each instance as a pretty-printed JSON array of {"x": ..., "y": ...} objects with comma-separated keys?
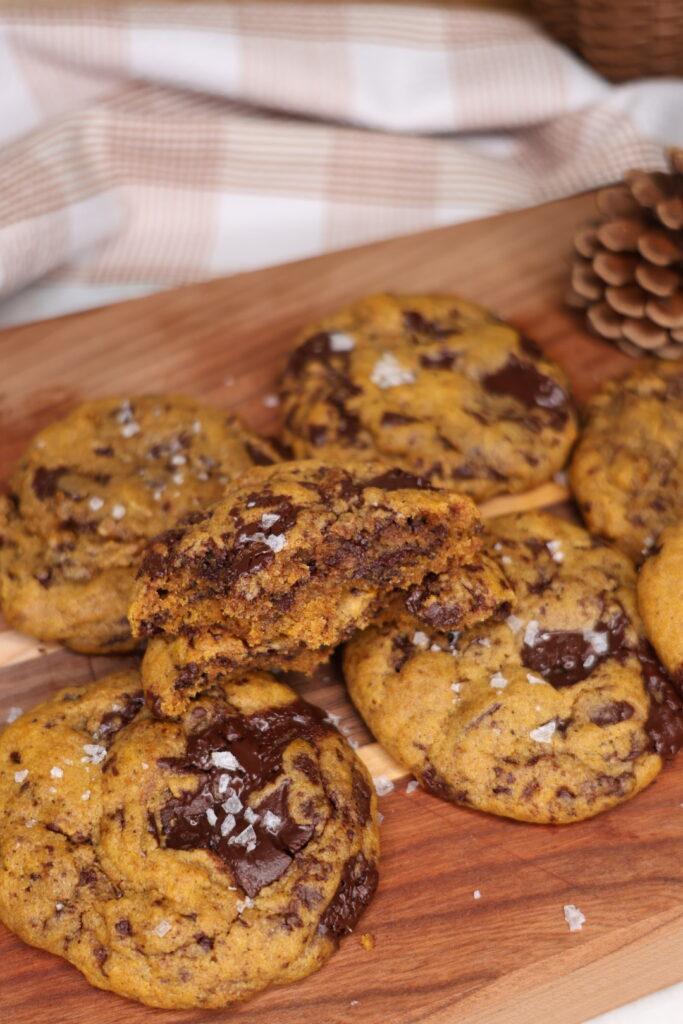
[{"x": 233, "y": 758}]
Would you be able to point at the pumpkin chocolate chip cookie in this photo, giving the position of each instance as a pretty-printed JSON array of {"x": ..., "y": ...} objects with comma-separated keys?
[
  {"x": 557, "y": 713},
  {"x": 184, "y": 864},
  {"x": 660, "y": 599},
  {"x": 627, "y": 470},
  {"x": 88, "y": 494},
  {"x": 291, "y": 561},
  {"x": 435, "y": 385}
]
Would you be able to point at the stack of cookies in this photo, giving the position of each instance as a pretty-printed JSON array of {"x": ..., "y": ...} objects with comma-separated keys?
[{"x": 193, "y": 831}]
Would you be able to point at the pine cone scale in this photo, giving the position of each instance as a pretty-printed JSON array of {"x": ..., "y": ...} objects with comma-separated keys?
[{"x": 627, "y": 273}]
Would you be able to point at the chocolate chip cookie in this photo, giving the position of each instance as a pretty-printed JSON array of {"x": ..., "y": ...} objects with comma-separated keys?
[
  {"x": 434, "y": 384},
  {"x": 660, "y": 599},
  {"x": 88, "y": 494},
  {"x": 293, "y": 559},
  {"x": 557, "y": 713},
  {"x": 184, "y": 864},
  {"x": 627, "y": 470}
]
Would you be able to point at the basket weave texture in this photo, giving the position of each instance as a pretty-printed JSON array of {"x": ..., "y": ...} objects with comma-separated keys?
[{"x": 621, "y": 39}]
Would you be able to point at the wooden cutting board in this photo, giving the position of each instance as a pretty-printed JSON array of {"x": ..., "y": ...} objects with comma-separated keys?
[{"x": 439, "y": 955}]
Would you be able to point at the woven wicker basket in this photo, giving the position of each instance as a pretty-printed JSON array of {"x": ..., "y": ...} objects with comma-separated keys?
[{"x": 622, "y": 39}]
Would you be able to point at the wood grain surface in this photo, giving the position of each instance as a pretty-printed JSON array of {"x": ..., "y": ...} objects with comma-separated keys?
[{"x": 440, "y": 956}]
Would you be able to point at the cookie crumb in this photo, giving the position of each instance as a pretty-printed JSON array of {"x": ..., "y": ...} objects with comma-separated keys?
[
  {"x": 574, "y": 918},
  {"x": 367, "y": 941},
  {"x": 383, "y": 785}
]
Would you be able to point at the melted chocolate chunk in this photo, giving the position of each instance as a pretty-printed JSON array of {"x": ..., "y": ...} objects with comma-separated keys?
[
  {"x": 123, "y": 928},
  {"x": 45, "y": 481},
  {"x": 664, "y": 723},
  {"x": 113, "y": 721},
  {"x": 258, "y": 843},
  {"x": 398, "y": 480},
  {"x": 315, "y": 349},
  {"x": 611, "y": 713},
  {"x": 414, "y": 321},
  {"x": 396, "y": 419},
  {"x": 564, "y": 658},
  {"x": 355, "y": 890},
  {"x": 257, "y": 455},
  {"x": 522, "y": 381}
]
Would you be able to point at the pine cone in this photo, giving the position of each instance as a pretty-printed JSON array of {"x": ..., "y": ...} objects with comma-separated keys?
[{"x": 628, "y": 267}]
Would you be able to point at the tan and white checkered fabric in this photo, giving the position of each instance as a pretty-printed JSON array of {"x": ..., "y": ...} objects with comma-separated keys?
[{"x": 141, "y": 147}]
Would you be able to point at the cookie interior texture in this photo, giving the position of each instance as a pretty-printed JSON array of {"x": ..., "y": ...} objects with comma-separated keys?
[
  {"x": 294, "y": 559},
  {"x": 87, "y": 495},
  {"x": 660, "y": 599},
  {"x": 627, "y": 469},
  {"x": 556, "y": 714},
  {"x": 433, "y": 384},
  {"x": 184, "y": 864}
]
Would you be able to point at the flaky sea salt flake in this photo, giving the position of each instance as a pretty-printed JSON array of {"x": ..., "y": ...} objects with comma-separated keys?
[
  {"x": 56, "y": 772},
  {"x": 476, "y": 895},
  {"x": 224, "y": 759},
  {"x": 340, "y": 342},
  {"x": 211, "y": 816},
  {"x": 271, "y": 401},
  {"x": 412, "y": 786},
  {"x": 498, "y": 681},
  {"x": 544, "y": 733},
  {"x": 13, "y": 714},
  {"x": 574, "y": 918},
  {"x": 383, "y": 785},
  {"x": 163, "y": 928},
  {"x": 388, "y": 373},
  {"x": 118, "y": 511},
  {"x": 276, "y": 542},
  {"x": 420, "y": 639},
  {"x": 20, "y": 776}
]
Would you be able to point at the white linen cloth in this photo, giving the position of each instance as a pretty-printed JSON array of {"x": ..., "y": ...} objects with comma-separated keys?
[{"x": 146, "y": 146}]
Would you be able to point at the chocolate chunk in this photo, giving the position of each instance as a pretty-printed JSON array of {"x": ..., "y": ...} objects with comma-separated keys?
[
  {"x": 45, "y": 481},
  {"x": 123, "y": 928},
  {"x": 259, "y": 842},
  {"x": 611, "y": 713},
  {"x": 113, "y": 721},
  {"x": 258, "y": 456},
  {"x": 564, "y": 658},
  {"x": 315, "y": 349},
  {"x": 523, "y": 381},
  {"x": 398, "y": 480},
  {"x": 414, "y": 321},
  {"x": 664, "y": 723},
  {"x": 354, "y": 892}
]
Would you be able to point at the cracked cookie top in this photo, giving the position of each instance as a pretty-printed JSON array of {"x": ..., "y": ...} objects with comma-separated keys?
[
  {"x": 553, "y": 715},
  {"x": 87, "y": 495},
  {"x": 291, "y": 561},
  {"x": 190, "y": 863},
  {"x": 627, "y": 469},
  {"x": 434, "y": 384}
]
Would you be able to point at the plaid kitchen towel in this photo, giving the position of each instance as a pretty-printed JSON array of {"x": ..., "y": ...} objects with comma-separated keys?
[{"x": 146, "y": 146}]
